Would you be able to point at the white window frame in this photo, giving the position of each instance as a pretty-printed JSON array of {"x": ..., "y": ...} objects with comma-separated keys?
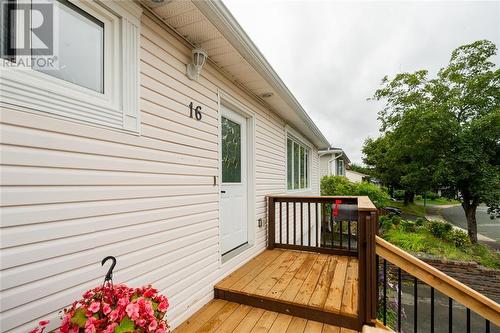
[
  {"x": 308, "y": 150},
  {"x": 341, "y": 167},
  {"x": 118, "y": 107}
]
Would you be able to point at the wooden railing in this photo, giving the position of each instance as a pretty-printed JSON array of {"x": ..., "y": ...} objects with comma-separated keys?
[
  {"x": 338, "y": 225},
  {"x": 398, "y": 270}
]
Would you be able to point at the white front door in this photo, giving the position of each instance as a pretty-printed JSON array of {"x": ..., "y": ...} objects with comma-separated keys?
[{"x": 234, "y": 203}]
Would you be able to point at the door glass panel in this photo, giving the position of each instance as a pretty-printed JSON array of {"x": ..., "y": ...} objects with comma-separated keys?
[
  {"x": 231, "y": 151},
  {"x": 289, "y": 153}
]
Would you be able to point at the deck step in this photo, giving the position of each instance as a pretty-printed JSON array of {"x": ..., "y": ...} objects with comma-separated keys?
[{"x": 292, "y": 309}]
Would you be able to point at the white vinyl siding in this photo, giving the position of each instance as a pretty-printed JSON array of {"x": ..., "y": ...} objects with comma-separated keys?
[{"x": 74, "y": 193}]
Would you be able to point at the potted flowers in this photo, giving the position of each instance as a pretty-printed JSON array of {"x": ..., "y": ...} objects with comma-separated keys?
[{"x": 114, "y": 309}]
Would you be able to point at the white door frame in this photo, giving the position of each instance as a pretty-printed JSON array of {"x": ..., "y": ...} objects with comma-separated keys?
[{"x": 237, "y": 107}]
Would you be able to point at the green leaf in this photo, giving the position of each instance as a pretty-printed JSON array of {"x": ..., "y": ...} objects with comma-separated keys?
[
  {"x": 155, "y": 305},
  {"x": 79, "y": 318},
  {"x": 126, "y": 326}
]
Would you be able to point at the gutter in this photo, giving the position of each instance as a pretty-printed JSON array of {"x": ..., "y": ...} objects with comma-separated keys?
[{"x": 219, "y": 15}]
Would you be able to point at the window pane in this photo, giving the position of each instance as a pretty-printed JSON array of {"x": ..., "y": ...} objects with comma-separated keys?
[
  {"x": 302, "y": 168},
  {"x": 78, "y": 46},
  {"x": 289, "y": 157},
  {"x": 231, "y": 151},
  {"x": 306, "y": 168},
  {"x": 296, "y": 165}
]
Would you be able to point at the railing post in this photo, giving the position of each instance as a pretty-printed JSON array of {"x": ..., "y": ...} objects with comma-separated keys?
[
  {"x": 271, "y": 223},
  {"x": 367, "y": 268}
]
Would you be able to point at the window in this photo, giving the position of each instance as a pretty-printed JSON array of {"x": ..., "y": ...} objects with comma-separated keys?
[
  {"x": 340, "y": 167},
  {"x": 73, "y": 59},
  {"x": 231, "y": 151},
  {"x": 79, "y": 47},
  {"x": 297, "y": 165}
]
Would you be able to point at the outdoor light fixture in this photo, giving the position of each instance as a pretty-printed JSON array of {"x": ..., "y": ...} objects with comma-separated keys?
[
  {"x": 157, "y": 3},
  {"x": 193, "y": 69}
]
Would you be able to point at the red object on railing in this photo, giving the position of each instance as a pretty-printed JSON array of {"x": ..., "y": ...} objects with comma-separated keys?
[{"x": 335, "y": 211}]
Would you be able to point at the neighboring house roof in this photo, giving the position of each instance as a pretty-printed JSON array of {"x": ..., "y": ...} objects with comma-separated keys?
[
  {"x": 209, "y": 25},
  {"x": 334, "y": 150},
  {"x": 358, "y": 173}
]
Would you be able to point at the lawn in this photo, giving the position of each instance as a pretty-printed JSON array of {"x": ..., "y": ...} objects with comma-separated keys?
[
  {"x": 411, "y": 208},
  {"x": 438, "y": 202},
  {"x": 421, "y": 241}
]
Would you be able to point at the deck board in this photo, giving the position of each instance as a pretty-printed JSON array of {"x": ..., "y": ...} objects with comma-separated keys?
[
  {"x": 223, "y": 316},
  {"x": 325, "y": 282}
]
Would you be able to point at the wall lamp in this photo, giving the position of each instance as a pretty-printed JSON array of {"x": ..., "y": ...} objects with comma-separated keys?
[{"x": 199, "y": 57}]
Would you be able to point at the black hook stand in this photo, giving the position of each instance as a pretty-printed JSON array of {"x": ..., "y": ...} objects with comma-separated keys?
[{"x": 109, "y": 275}]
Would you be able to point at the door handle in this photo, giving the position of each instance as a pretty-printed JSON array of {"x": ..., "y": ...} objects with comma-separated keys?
[{"x": 222, "y": 191}]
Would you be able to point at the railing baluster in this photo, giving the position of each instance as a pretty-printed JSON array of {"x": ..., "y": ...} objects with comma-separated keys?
[
  {"x": 349, "y": 235},
  {"x": 487, "y": 326},
  {"x": 281, "y": 223},
  {"x": 415, "y": 305},
  {"x": 385, "y": 291},
  {"x": 294, "y": 224},
  {"x": 301, "y": 224},
  {"x": 340, "y": 233},
  {"x": 399, "y": 300},
  {"x": 450, "y": 315},
  {"x": 309, "y": 223},
  {"x": 287, "y": 223},
  {"x": 333, "y": 233},
  {"x": 468, "y": 320},
  {"x": 432, "y": 310},
  {"x": 318, "y": 229}
]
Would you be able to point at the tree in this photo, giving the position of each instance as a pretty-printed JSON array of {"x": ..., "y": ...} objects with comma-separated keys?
[{"x": 444, "y": 132}]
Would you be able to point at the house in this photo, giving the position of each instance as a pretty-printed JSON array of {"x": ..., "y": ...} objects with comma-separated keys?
[
  {"x": 356, "y": 177},
  {"x": 156, "y": 132},
  {"x": 333, "y": 162},
  {"x": 120, "y": 153}
]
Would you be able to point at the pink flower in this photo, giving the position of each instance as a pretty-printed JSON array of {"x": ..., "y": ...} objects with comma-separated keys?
[
  {"x": 132, "y": 310},
  {"x": 113, "y": 315},
  {"x": 35, "y": 330},
  {"x": 148, "y": 307},
  {"x": 123, "y": 302},
  {"x": 160, "y": 330},
  {"x": 163, "y": 306},
  {"x": 90, "y": 329},
  {"x": 152, "y": 325},
  {"x": 106, "y": 309},
  {"x": 110, "y": 328},
  {"x": 94, "y": 307},
  {"x": 141, "y": 322},
  {"x": 44, "y": 323}
]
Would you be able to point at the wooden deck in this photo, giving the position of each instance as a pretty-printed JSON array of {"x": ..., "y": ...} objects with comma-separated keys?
[
  {"x": 223, "y": 316},
  {"x": 318, "y": 287}
]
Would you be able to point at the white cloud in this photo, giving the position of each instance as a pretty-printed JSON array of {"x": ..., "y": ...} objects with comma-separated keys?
[{"x": 332, "y": 55}]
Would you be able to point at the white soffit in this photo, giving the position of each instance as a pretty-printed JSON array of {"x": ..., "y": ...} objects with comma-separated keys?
[{"x": 210, "y": 25}]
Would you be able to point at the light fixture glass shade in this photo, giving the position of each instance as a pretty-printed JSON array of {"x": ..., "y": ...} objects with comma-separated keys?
[{"x": 199, "y": 57}]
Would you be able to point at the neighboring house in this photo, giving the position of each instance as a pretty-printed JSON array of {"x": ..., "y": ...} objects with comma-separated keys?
[
  {"x": 333, "y": 162},
  {"x": 120, "y": 153},
  {"x": 356, "y": 177}
]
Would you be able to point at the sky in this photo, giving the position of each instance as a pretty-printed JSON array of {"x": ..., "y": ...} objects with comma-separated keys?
[{"x": 332, "y": 55}]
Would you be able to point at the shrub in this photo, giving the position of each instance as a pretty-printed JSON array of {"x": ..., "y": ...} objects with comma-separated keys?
[
  {"x": 420, "y": 221},
  {"x": 389, "y": 221},
  {"x": 338, "y": 185},
  {"x": 408, "y": 226},
  {"x": 432, "y": 195},
  {"x": 399, "y": 194},
  {"x": 439, "y": 229},
  {"x": 459, "y": 238}
]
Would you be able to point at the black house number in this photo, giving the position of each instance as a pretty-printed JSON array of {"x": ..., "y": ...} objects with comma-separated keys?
[{"x": 194, "y": 111}]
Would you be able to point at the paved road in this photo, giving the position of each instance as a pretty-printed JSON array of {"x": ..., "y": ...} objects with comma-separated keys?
[{"x": 485, "y": 226}]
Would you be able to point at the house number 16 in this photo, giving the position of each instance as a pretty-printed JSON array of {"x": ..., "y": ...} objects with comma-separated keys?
[{"x": 195, "y": 110}]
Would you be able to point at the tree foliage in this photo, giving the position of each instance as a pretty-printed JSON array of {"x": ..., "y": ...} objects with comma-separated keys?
[
  {"x": 443, "y": 132},
  {"x": 339, "y": 185}
]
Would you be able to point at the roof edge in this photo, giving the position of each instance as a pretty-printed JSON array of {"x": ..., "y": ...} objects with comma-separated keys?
[{"x": 222, "y": 18}]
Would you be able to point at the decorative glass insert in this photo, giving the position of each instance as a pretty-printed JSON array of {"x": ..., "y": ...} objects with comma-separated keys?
[
  {"x": 231, "y": 151},
  {"x": 79, "y": 47},
  {"x": 297, "y": 165}
]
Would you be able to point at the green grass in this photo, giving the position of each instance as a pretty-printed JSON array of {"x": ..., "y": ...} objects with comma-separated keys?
[
  {"x": 411, "y": 208},
  {"x": 438, "y": 202},
  {"x": 423, "y": 242}
]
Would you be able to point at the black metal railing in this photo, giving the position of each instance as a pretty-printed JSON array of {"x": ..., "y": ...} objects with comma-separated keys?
[
  {"x": 408, "y": 304},
  {"x": 324, "y": 224}
]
